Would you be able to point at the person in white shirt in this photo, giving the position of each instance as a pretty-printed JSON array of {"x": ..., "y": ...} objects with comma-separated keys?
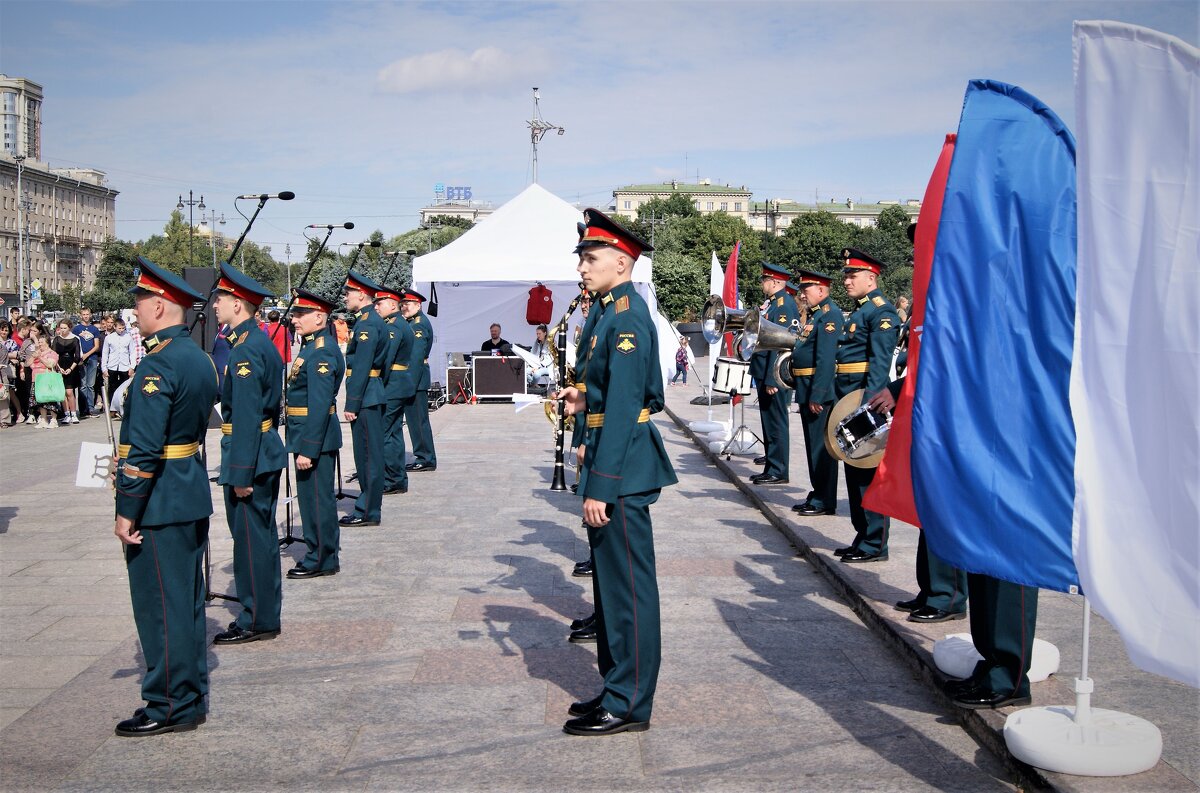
[
  {"x": 119, "y": 358},
  {"x": 543, "y": 350}
]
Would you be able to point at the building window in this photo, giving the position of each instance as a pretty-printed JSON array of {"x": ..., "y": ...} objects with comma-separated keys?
[
  {"x": 737, "y": 206},
  {"x": 709, "y": 206},
  {"x": 724, "y": 206},
  {"x": 627, "y": 203}
]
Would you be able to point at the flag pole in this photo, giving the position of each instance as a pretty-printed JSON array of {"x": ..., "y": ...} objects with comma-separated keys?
[{"x": 1083, "y": 741}]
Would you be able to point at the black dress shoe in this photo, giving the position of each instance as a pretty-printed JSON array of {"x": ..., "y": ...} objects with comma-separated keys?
[
  {"x": 236, "y": 635},
  {"x": 357, "y": 520},
  {"x": 421, "y": 467},
  {"x": 955, "y": 688},
  {"x": 141, "y": 725},
  {"x": 584, "y": 708},
  {"x": 933, "y": 614},
  {"x": 586, "y": 622},
  {"x": 808, "y": 509},
  {"x": 855, "y": 556},
  {"x": 585, "y": 635},
  {"x": 583, "y": 569},
  {"x": 575, "y": 488},
  {"x": 909, "y": 605},
  {"x": 769, "y": 480},
  {"x": 981, "y": 698},
  {"x": 601, "y": 722},
  {"x": 840, "y": 552},
  {"x": 760, "y": 460},
  {"x": 395, "y": 489},
  {"x": 300, "y": 572}
]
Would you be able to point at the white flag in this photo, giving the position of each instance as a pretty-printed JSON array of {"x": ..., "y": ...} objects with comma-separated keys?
[
  {"x": 1135, "y": 382},
  {"x": 716, "y": 284}
]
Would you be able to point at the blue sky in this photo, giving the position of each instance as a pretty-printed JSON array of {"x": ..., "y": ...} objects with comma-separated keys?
[{"x": 360, "y": 108}]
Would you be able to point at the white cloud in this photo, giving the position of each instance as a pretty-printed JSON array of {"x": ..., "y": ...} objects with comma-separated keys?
[{"x": 453, "y": 69}]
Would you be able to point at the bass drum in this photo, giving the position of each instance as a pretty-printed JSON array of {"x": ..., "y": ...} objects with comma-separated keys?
[
  {"x": 855, "y": 434},
  {"x": 732, "y": 376}
]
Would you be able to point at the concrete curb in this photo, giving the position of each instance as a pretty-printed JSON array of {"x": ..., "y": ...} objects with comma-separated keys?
[{"x": 986, "y": 726}]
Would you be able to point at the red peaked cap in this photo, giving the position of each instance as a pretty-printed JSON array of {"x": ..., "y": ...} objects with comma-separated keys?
[
  {"x": 153, "y": 279},
  {"x": 600, "y": 229},
  {"x": 857, "y": 260},
  {"x": 311, "y": 301},
  {"x": 241, "y": 285}
]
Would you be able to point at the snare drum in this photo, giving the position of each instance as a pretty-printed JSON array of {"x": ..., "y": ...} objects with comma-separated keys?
[
  {"x": 732, "y": 376},
  {"x": 855, "y": 434}
]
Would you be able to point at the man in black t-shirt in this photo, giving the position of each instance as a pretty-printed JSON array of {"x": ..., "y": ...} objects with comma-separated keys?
[{"x": 496, "y": 345}]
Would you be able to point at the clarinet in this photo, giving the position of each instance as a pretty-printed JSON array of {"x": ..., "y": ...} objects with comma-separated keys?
[{"x": 560, "y": 427}]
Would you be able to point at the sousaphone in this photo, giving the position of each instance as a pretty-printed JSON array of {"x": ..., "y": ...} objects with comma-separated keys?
[{"x": 854, "y": 433}]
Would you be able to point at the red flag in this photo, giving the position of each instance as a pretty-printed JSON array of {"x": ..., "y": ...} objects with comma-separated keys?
[
  {"x": 729, "y": 294},
  {"x": 891, "y": 491}
]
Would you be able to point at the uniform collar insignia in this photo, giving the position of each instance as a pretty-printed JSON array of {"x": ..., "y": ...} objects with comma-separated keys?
[
  {"x": 863, "y": 300},
  {"x": 608, "y": 298},
  {"x": 151, "y": 342},
  {"x": 310, "y": 337}
]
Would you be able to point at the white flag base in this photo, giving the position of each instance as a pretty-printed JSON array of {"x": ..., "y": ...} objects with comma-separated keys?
[
  {"x": 1109, "y": 743},
  {"x": 955, "y": 656},
  {"x": 705, "y": 427}
]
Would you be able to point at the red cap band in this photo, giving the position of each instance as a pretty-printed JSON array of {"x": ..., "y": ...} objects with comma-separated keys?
[
  {"x": 593, "y": 234},
  {"x": 151, "y": 284},
  {"x": 225, "y": 285}
]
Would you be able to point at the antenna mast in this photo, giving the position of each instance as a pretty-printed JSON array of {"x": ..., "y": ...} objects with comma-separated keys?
[{"x": 538, "y": 127}]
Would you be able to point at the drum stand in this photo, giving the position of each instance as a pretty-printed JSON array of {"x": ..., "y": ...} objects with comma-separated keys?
[{"x": 740, "y": 433}]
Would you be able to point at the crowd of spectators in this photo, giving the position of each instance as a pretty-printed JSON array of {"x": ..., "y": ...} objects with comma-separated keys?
[{"x": 86, "y": 358}]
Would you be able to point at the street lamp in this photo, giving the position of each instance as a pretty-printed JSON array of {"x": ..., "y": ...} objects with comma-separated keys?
[
  {"x": 211, "y": 221},
  {"x": 191, "y": 202},
  {"x": 287, "y": 251}
]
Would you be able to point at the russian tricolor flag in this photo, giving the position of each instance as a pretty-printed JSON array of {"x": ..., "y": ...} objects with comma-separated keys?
[{"x": 1050, "y": 433}]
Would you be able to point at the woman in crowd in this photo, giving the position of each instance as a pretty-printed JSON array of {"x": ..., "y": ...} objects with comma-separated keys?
[
  {"x": 70, "y": 362},
  {"x": 42, "y": 361},
  {"x": 27, "y": 331},
  {"x": 11, "y": 411}
]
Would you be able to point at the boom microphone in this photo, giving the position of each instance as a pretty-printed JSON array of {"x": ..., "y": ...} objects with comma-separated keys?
[
  {"x": 286, "y": 195},
  {"x": 346, "y": 225}
]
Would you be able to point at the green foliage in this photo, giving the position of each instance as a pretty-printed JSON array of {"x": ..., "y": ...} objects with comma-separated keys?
[
  {"x": 888, "y": 242},
  {"x": 449, "y": 221},
  {"x": 680, "y": 284}
]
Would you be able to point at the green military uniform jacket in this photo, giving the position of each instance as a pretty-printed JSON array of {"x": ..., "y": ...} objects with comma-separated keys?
[
  {"x": 422, "y": 344},
  {"x": 250, "y": 398},
  {"x": 815, "y": 353},
  {"x": 623, "y": 377},
  {"x": 864, "y": 356},
  {"x": 781, "y": 309},
  {"x": 365, "y": 354},
  {"x": 312, "y": 389},
  {"x": 161, "y": 477},
  {"x": 400, "y": 377}
]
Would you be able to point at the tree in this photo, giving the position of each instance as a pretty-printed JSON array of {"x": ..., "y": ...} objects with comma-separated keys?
[
  {"x": 888, "y": 242},
  {"x": 450, "y": 221},
  {"x": 680, "y": 284}
]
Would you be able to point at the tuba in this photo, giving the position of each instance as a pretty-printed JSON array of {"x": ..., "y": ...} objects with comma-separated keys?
[
  {"x": 717, "y": 319},
  {"x": 783, "y": 369}
]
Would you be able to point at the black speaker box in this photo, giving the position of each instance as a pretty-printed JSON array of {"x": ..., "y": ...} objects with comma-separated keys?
[{"x": 202, "y": 279}]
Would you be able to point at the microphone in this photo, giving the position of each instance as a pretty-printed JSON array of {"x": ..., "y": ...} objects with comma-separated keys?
[
  {"x": 346, "y": 225},
  {"x": 371, "y": 243},
  {"x": 286, "y": 195}
]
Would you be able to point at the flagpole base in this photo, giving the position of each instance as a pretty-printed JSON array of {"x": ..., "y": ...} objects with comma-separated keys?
[
  {"x": 1110, "y": 744},
  {"x": 955, "y": 656},
  {"x": 705, "y": 427}
]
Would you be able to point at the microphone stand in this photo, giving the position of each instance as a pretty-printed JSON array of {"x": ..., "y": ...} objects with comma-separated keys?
[
  {"x": 202, "y": 316},
  {"x": 288, "y": 537}
]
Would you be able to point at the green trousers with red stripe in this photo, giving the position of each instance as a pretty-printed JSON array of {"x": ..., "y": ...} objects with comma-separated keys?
[
  {"x": 318, "y": 513},
  {"x": 1003, "y": 617},
  {"x": 166, "y": 585},
  {"x": 627, "y": 613},
  {"x": 257, "y": 576}
]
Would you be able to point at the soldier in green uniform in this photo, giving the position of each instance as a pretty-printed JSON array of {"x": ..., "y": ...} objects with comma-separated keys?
[
  {"x": 813, "y": 360},
  {"x": 625, "y": 467},
  {"x": 774, "y": 397},
  {"x": 252, "y": 458},
  {"x": 864, "y": 359},
  {"x": 416, "y": 408},
  {"x": 163, "y": 505},
  {"x": 400, "y": 385},
  {"x": 365, "y": 398},
  {"x": 1003, "y": 619},
  {"x": 314, "y": 433},
  {"x": 941, "y": 587}
]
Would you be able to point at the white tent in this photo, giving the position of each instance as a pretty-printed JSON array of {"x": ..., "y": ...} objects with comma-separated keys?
[{"x": 485, "y": 276}]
